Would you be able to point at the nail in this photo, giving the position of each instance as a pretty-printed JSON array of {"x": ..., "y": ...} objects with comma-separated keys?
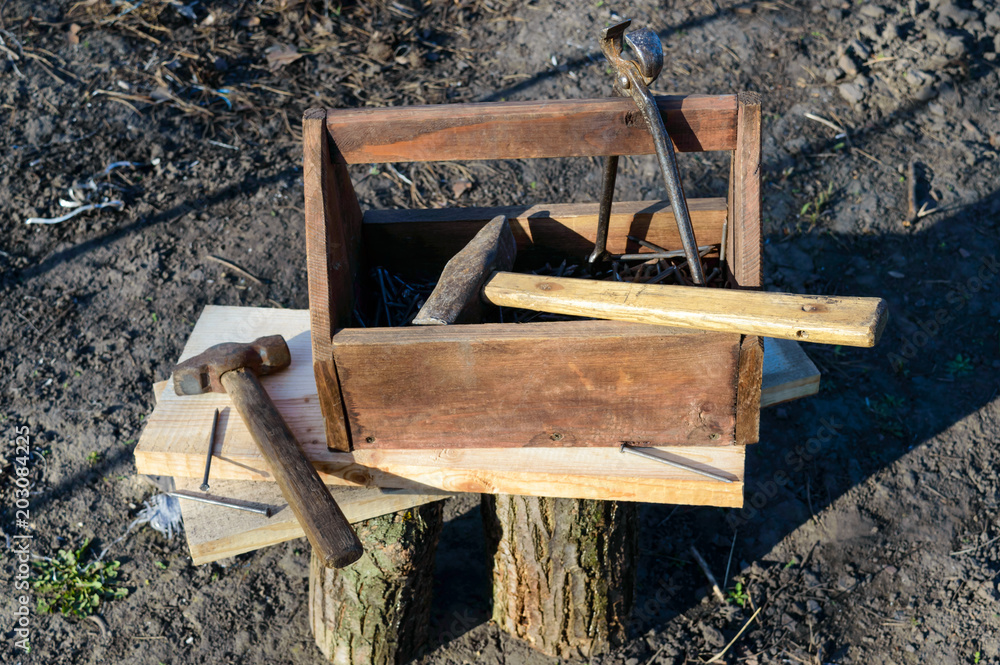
[
  {"x": 208, "y": 458},
  {"x": 250, "y": 507},
  {"x": 642, "y": 452}
]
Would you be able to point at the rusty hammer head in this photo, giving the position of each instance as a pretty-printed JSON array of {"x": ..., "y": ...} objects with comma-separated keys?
[
  {"x": 202, "y": 373},
  {"x": 456, "y": 298}
]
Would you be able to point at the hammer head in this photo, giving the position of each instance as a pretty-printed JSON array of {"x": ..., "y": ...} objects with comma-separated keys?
[
  {"x": 456, "y": 298},
  {"x": 202, "y": 373}
]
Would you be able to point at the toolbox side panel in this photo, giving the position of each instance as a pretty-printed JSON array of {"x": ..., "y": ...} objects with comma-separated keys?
[
  {"x": 415, "y": 241},
  {"x": 586, "y": 383},
  {"x": 520, "y": 130}
]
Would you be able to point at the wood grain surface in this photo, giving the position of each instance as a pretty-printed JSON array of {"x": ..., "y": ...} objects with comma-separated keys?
[
  {"x": 584, "y": 383},
  {"x": 427, "y": 239},
  {"x": 333, "y": 257},
  {"x": 820, "y": 319},
  {"x": 517, "y": 130},
  {"x": 173, "y": 441},
  {"x": 330, "y": 534},
  {"x": 788, "y": 373},
  {"x": 214, "y": 533}
]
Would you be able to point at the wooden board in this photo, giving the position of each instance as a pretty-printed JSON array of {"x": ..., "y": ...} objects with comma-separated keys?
[
  {"x": 851, "y": 321},
  {"x": 333, "y": 250},
  {"x": 427, "y": 239},
  {"x": 215, "y": 533},
  {"x": 788, "y": 372},
  {"x": 173, "y": 442},
  {"x": 517, "y": 130},
  {"x": 580, "y": 383}
]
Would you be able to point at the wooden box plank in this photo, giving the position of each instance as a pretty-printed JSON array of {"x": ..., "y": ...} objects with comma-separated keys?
[
  {"x": 427, "y": 239},
  {"x": 173, "y": 442},
  {"x": 215, "y": 533},
  {"x": 518, "y": 130},
  {"x": 582, "y": 383},
  {"x": 788, "y": 372}
]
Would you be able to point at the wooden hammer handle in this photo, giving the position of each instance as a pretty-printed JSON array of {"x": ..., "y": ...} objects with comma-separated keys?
[
  {"x": 331, "y": 535},
  {"x": 822, "y": 319}
]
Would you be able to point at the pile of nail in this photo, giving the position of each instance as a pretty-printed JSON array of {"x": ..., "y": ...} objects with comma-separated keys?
[{"x": 398, "y": 300}]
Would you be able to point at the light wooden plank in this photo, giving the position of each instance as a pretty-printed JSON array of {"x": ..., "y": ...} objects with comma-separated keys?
[
  {"x": 517, "y": 130},
  {"x": 788, "y": 372},
  {"x": 426, "y": 239},
  {"x": 851, "y": 321},
  {"x": 173, "y": 440},
  {"x": 581, "y": 383},
  {"x": 215, "y": 533}
]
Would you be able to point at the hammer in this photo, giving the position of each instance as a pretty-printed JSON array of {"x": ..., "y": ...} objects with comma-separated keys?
[
  {"x": 477, "y": 273},
  {"x": 233, "y": 368}
]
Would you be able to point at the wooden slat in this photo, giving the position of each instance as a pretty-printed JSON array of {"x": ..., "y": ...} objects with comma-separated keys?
[
  {"x": 748, "y": 390},
  {"x": 173, "y": 440},
  {"x": 333, "y": 250},
  {"x": 215, "y": 533},
  {"x": 583, "y": 383},
  {"x": 407, "y": 239},
  {"x": 851, "y": 321},
  {"x": 788, "y": 373},
  {"x": 745, "y": 221},
  {"x": 744, "y": 260},
  {"x": 517, "y": 130}
]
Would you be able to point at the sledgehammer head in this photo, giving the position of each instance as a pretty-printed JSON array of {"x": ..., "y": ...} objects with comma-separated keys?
[
  {"x": 201, "y": 374},
  {"x": 457, "y": 296}
]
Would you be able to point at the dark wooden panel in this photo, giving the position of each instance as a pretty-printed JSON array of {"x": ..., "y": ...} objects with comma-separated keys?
[
  {"x": 588, "y": 383},
  {"x": 516, "y": 130},
  {"x": 748, "y": 390},
  {"x": 333, "y": 256},
  {"x": 405, "y": 239}
]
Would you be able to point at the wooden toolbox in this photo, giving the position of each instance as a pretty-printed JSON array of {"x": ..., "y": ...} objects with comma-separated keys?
[{"x": 556, "y": 384}]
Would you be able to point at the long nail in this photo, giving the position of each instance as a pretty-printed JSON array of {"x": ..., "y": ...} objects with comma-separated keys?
[
  {"x": 249, "y": 506},
  {"x": 642, "y": 452},
  {"x": 208, "y": 458}
]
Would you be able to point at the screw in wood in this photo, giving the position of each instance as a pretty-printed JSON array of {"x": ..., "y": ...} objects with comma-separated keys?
[
  {"x": 369, "y": 439},
  {"x": 208, "y": 458},
  {"x": 648, "y": 454}
]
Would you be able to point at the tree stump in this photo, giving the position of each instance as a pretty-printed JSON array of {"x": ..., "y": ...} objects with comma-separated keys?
[
  {"x": 376, "y": 611},
  {"x": 563, "y": 571}
]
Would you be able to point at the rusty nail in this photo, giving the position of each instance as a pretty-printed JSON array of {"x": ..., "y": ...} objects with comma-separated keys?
[
  {"x": 208, "y": 458},
  {"x": 642, "y": 452}
]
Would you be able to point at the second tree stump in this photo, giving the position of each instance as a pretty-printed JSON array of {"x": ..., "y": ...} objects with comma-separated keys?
[{"x": 563, "y": 570}]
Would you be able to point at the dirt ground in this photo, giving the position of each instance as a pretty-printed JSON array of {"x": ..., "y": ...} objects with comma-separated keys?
[{"x": 871, "y": 532}]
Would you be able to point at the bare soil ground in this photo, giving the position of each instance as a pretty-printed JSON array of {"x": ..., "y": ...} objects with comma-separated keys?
[{"x": 871, "y": 528}]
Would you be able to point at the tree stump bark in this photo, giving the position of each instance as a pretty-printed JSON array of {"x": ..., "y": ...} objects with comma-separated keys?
[
  {"x": 563, "y": 571},
  {"x": 376, "y": 611}
]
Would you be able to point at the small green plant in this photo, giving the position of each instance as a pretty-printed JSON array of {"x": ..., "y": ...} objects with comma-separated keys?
[
  {"x": 160, "y": 565},
  {"x": 976, "y": 657},
  {"x": 887, "y": 410},
  {"x": 791, "y": 563},
  {"x": 71, "y": 589},
  {"x": 739, "y": 595},
  {"x": 814, "y": 210},
  {"x": 960, "y": 365},
  {"x": 93, "y": 457}
]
